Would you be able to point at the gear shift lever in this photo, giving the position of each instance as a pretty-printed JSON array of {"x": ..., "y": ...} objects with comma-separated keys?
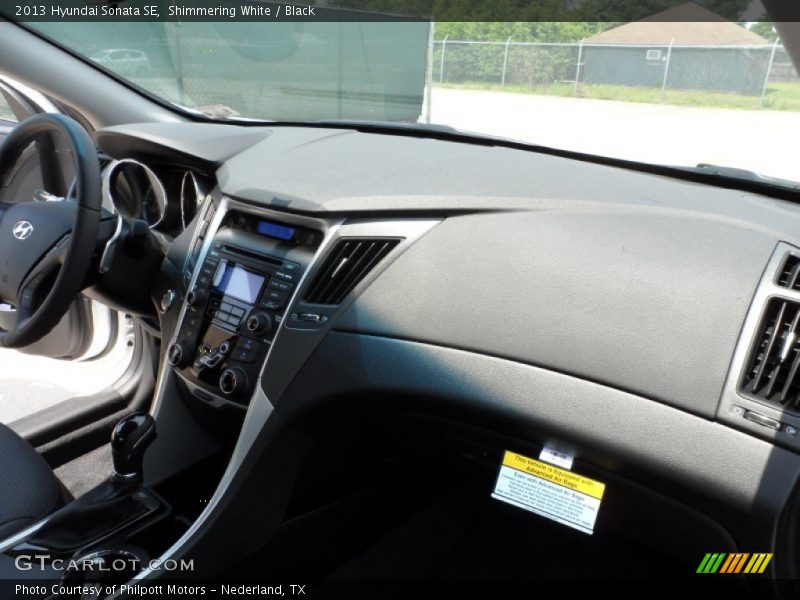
[
  {"x": 129, "y": 440},
  {"x": 117, "y": 502}
]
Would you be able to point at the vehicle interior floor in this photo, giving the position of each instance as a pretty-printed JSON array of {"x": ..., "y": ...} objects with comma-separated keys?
[
  {"x": 420, "y": 510},
  {"x": 87, "y": 471}
]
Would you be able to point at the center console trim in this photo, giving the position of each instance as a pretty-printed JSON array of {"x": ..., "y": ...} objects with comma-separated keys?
[
  {"x": 224, "y": 206},
  {"x": 260, "y": 410}
]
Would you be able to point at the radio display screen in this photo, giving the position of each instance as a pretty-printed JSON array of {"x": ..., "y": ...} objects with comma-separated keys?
[
  {"x": 274, "y": 230},
  {"x": 239, "y": 283}
]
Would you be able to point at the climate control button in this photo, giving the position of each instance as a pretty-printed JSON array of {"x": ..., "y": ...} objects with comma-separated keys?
[
  {"x": 259, "y": 323},
  {"x": 233, "y": 382}
]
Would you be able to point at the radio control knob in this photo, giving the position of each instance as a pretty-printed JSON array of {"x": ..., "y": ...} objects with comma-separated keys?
[
  {"x": 196, "y": 297},
  {"x": 233, "y": 382},
  {"x": 259, "y": 323},
  {"x": 179, "y": 354}
]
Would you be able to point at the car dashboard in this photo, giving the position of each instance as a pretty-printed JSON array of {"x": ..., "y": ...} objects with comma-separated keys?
[{"x": 646, "y": 325}]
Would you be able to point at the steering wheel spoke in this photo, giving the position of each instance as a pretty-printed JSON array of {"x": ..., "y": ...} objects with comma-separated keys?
[
  {"x": 33, "y": 288},
  {"x": 23, "y": 315}
]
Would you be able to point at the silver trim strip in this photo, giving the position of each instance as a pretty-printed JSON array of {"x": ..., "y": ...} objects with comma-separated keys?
[
  {"x": 159, "y": 191},
  {"x": 108, "y": 202},
  {"x": 199, "y": 199},
  {"x": 260, "y": 408}
]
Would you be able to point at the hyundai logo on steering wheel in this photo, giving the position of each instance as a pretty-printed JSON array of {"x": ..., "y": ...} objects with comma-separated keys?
[{"x": 22, "y": 230}]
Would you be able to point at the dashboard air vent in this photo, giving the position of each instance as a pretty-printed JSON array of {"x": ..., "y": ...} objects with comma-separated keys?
[
  {"x": 773, "y": 371},
  {"x": 347, "y": 263},
  {"x": 790, "y": 273}
]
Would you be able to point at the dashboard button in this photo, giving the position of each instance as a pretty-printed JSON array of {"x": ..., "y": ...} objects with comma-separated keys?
[
  {"x": 279, "y": 285},
  {"x": 197, "y": 297},
  {"x": 763, "y": 420},
  {"x": 244, "y": 356},
  {"x": 312, "y": 317},
  {"x": 284, "y": 275},
  {"x": 249, "y": 344},
  {"x": 290, "y": 266},
  {"x": 237, "y": 312},
  {"x": 276, "y": 295},
  {"x": 226, "y": 307},
  {"x": 179, "y": 354},
  {"x": 270, "y": 305}
]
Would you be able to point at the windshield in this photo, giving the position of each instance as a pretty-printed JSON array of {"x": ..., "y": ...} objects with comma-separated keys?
[{"x": 675, "y": 93}]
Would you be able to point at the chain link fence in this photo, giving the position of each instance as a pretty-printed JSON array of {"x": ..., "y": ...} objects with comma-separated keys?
[{"x": 652, "y": 69}]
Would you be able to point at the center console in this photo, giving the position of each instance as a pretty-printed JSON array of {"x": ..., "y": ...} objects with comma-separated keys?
[
  {"x": 244, "y": 277},
  {"x": 239, "y": 298}
]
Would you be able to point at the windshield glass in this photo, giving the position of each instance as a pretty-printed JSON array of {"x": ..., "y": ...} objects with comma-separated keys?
[{"x": 677, "y": 93}]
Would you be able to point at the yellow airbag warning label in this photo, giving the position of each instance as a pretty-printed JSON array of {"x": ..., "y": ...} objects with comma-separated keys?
[{"x": 549, "y": 491}]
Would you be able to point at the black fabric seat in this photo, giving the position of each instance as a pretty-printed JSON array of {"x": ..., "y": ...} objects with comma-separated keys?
[{"x": 29, "y": 490}]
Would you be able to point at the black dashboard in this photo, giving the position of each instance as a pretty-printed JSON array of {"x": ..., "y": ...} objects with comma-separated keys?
[{"x": 613, "y": 312}]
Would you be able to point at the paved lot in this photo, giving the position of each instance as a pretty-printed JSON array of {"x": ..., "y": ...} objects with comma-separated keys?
[
  {"x": 32, "y": 383},
  {"x": 759, "y": 140}
]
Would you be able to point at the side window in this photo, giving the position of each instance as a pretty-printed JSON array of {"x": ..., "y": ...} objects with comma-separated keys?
[{"x": 6, "y": 114}]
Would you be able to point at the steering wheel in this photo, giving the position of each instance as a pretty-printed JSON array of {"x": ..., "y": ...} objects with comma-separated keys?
[{"x": 46, "y": 248}]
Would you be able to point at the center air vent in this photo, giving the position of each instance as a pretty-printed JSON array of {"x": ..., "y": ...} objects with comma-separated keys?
[
  {"x": 773, "y": 371},
  {"x": 347, "y": 263},
  {"x": 790, "y": 273}
]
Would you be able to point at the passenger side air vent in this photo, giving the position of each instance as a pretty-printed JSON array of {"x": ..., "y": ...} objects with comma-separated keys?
[
  {"x": 347, "y": 263},
  {"x": 790, "y": 273},
  {"x": 773, "y": 371}
]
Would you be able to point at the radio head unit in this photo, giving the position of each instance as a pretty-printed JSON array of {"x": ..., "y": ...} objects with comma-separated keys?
[{"x": 231, "y": 318}]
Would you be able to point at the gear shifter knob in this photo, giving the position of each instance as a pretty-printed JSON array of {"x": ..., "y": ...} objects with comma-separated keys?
[{"x": 129, "y": 440}]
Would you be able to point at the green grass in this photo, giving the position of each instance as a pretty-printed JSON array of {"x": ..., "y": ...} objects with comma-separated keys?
[{"x": 779, "y": 96}]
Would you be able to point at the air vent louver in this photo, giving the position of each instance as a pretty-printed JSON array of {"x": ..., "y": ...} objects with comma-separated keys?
[
  {"x": 773, "y": 371},
  {"x": 790, "y": 273},
  {"x": 347, "y": 263}
]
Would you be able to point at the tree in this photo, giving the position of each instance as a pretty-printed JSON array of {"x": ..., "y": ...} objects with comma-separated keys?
[
  {"x": 765, "y": 29},
  {"x": 564, "y": 32}
]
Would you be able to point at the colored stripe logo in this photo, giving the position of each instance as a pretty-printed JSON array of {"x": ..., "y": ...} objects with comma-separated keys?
[{"x": 737, "y": 562}]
